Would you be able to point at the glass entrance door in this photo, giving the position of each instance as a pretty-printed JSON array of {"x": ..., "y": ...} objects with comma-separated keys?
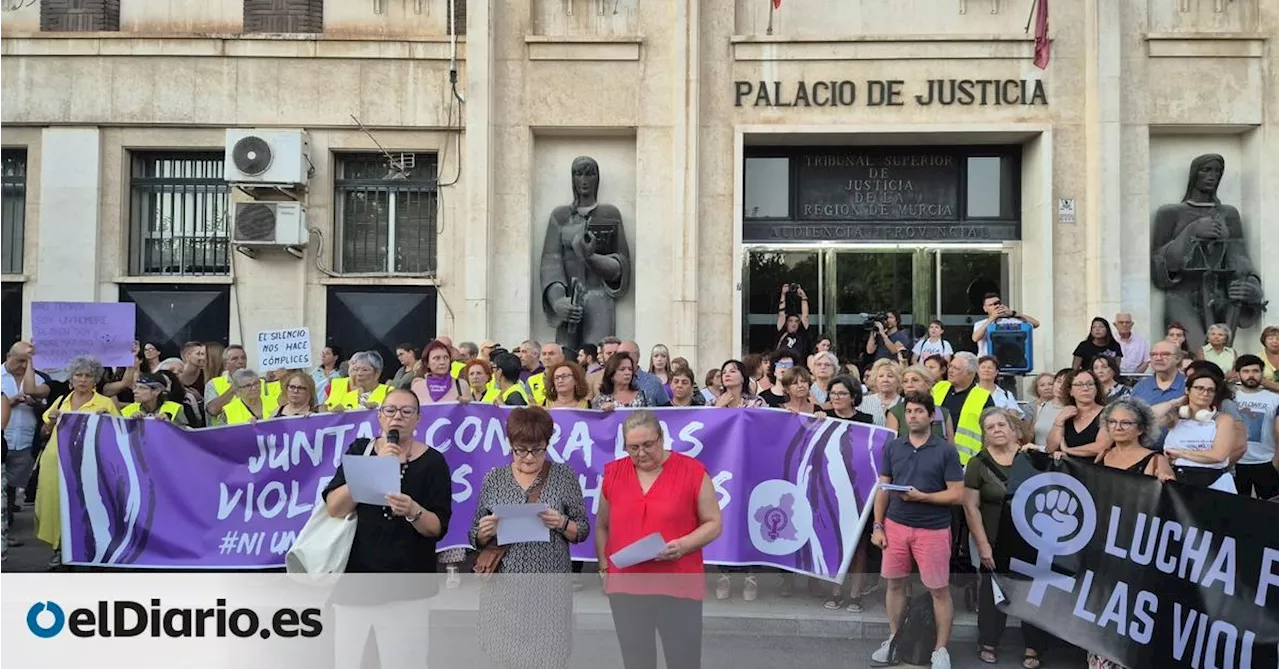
[
  {"x": 847, "y": 285},
  {"x": 963, "y": 277},
  {"x": 766, "y": 272}
]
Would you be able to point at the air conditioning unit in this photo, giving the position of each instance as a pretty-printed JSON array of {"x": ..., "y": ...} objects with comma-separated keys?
[
  {"x": 269, "y": 224},
  {"x": 275, "y": 157}
]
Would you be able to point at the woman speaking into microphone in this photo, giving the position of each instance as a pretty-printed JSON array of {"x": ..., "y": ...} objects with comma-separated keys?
[{"x": 397, "y": 537}]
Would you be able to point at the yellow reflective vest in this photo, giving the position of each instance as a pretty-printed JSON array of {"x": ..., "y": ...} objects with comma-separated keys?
[
  {"x": 350, "y": 398},
  {"x": 456, "y": 368},
  {"x": 516, "y": 389},
  {"x": 222, "y": 383},
  {"x": 969, "y": 422},
  {"x": 237, "y": 413},
  {"x": 337, "y": 391},
  {"x": 538, "y": 387},
  {"x": 170, "y": 409}
]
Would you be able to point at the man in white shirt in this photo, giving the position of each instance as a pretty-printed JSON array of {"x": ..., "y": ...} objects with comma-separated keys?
[
  {"x": 997, "y": 313},
  {"x": 1135, "y": 352},
  {"x": 1255, "y": 473},
  {"x": 18, "y": 383}
]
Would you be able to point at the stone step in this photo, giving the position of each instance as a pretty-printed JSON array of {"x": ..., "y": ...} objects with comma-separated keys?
[{"x": 800, "y": 615}]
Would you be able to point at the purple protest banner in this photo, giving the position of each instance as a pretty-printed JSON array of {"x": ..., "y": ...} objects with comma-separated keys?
[
  {"x": 143, "y": 493},
  {"x": 61, "y": 331}
]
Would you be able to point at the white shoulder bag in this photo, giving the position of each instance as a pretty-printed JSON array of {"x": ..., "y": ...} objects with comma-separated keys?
[{"x": 324, "y": 545}]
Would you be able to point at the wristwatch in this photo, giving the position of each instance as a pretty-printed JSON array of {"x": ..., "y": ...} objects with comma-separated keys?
[
  {"x": 877, "y": 526},
  {"x": 414, "y": 518}
]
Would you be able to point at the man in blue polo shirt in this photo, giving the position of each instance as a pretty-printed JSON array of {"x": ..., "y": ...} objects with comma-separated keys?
[
  {"x": 915, "y": 526},
  {"x": 1165, "y": 384}
]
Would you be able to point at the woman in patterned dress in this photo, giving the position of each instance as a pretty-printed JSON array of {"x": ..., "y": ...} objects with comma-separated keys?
[
  {"x": 526, "y": 621},
  {"x": 618, "y": 387}
]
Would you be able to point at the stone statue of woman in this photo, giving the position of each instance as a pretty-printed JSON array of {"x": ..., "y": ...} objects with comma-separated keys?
[
  {"x": 586, "y": 264},
  {"x": 1200, "y": 260}
]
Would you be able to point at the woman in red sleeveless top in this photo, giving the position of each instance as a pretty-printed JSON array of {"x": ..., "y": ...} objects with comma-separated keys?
[{"x": 656, "y": 491}]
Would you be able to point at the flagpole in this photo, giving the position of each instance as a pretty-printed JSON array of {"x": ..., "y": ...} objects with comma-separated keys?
[
  {"x": 1031, "y": 15},
  {"x": 769, "y": 30}
]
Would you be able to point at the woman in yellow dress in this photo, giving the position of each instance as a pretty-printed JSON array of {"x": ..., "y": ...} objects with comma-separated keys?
[{"x": 84, "y": 374}]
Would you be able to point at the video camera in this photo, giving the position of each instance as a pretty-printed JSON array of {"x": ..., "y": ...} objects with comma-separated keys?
[{"x": 869, "y": 320}]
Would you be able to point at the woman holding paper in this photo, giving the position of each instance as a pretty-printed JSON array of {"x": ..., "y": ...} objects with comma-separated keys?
[
  {"x": 544, "y": 592},
  {"x": 396, "y": 536},
  {"x": 657, "y": 511}
]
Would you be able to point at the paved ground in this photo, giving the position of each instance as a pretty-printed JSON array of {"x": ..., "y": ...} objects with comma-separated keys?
[
  {"x": 770, "y": 632},
  {"x": 597, "y": 649}
]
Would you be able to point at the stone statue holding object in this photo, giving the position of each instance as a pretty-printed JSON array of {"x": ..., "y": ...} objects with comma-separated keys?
[
  {"x": 1200, "y": 260},
  {"x": 586, "y": 264}
]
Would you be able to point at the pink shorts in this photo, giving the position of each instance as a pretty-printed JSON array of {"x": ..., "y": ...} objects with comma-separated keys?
[{"x": 930, "y": 549}]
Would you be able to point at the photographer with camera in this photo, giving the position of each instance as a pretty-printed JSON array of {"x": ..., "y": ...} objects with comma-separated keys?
[
  {"x": 793, "y": 324},
  {"x": 885, "y": 340}
]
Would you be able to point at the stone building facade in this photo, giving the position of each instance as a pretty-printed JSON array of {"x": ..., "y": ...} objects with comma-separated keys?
[{"x": 884, "y": 154}]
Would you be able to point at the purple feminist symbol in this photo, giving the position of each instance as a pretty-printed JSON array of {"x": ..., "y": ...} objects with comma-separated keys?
[{"x": 776, "y": 520}]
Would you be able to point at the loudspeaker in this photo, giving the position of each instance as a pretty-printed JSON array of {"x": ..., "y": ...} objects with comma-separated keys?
[{"x": 1011, "y": 345}]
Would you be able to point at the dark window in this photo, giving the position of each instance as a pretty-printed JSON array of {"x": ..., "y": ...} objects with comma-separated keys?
[
  {"x": 10, "y": 313},
  {"x": 379, "y": 318},
  {"x": 171, "y": 315},
  {"x": 459, "y": 17},
  {"x": 79, "y": 15},
  {"x": 14, "y": 207},
  {"x": 767, "y": 191},
  {"x": 386, "y": 213},
  {"x": 284, "y": 16},
  {"x": 178, "y": 214}
]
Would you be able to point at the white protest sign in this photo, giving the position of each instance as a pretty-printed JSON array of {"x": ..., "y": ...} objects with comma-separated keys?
[{"x": 284, "y": 349}]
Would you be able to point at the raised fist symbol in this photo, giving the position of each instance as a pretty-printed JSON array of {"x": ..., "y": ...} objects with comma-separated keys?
[{"x": 1055, "y": 515}]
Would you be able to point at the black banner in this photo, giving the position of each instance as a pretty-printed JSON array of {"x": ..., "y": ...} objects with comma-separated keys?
[{"x": 1148, "y": 574}]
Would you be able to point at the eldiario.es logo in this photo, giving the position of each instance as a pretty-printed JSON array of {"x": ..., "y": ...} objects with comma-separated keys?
[{"x": 124, "y": 618}]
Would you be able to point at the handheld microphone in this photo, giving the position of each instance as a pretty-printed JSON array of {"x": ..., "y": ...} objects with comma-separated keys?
[{"x": 393, "y": 437}]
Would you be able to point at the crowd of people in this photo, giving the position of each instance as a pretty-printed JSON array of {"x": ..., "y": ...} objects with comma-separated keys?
[{"x": 1175, "y": 410}]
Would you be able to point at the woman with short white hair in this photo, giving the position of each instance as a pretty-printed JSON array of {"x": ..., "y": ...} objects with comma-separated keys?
[
  {"x": 365, "y": 389},
  {"x": 823, "y": 365},
  {"x": 1218, "y": 349},
  {"x": 251, "y": 402}
]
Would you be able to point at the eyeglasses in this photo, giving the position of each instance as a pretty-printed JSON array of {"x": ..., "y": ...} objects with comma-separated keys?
[
  {"x": 562, "y": 377},
  {"x": 526, "y": 452},
  {"x": 391, "y": 411},
  {"x": 644, "y": 446},
  {"x": 1083, "y": 384},
  {"x": 838, "y": 393},
  {"x": 1207, "y": 390},
  {"x": 1122, "y": 424},
  {"x": 300, "y": 389},
  {"x": 247, "y": 386}
]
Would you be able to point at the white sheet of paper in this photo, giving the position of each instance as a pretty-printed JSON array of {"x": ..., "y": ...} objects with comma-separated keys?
[
  {"x": 518, "y": 523},
  {"x": 370, "y": 478},
  {"x": 996, "y": 593},
  {"x": 895, "y": 488},
  {"x": 644, "y": 550}
]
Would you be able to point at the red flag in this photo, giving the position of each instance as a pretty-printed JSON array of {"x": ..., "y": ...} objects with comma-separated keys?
[
  {"x": 1042, "y": 34},
  {"x": 777, "y": 4}
]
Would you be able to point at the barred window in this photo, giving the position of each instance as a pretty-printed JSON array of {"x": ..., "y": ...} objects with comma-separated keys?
[
  {"x": 178, "y": 214},
  {"x": 14, "y": 207},
  {"x": 284, "y": 16},
  {"x": 78, "y": 15},
  {"x": 386, "y": 213}
]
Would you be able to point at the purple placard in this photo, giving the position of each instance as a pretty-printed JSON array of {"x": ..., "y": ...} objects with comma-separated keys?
[
  {"x": 61, "y": 331},
  {"x": 793, "y": 489}
]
